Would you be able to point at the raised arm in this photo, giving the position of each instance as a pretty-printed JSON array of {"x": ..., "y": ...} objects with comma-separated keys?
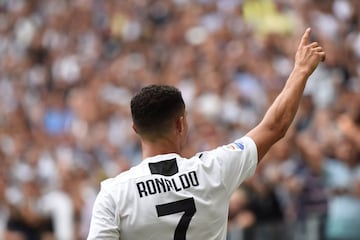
[{"x": 282, "y": 111}]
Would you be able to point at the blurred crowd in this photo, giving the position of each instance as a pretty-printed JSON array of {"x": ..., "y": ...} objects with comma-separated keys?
[{"x": 68, "y": 69}]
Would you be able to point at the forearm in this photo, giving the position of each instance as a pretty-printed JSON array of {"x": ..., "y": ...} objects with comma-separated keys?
[{"x": 282, "y": 112}]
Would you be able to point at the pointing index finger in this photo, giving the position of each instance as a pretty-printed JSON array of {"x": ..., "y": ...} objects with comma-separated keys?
[{"x": 305, "y": 38}]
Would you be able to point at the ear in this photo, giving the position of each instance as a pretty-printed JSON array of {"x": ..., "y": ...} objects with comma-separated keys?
[
  {"x": 134, "y": 128},
  {"x": 180, "y": 125}
]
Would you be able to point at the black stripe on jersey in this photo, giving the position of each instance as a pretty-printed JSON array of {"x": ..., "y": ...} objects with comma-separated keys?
[{"x": 165, "y": 168}]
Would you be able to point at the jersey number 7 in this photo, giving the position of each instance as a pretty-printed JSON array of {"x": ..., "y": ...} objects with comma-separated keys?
[{"x": 187, "y": 206}]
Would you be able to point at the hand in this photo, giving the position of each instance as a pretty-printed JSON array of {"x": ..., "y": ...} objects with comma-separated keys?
[{"x": 308, "y": 55}]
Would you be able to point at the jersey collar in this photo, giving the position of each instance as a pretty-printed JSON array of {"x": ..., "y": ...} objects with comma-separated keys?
[{"x": 160, "y": 157}]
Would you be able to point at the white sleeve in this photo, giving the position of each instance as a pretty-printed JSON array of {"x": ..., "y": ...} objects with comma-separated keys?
[
  {"x": 104, "y": 224},
  {"x": 237, "y": 161}
]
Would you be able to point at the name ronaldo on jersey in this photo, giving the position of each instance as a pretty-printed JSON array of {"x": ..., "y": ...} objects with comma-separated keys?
[{"x": 164, "y": 184}]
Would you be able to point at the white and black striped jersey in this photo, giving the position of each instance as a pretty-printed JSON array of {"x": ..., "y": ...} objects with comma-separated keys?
[{"x": 170, "y": 197}]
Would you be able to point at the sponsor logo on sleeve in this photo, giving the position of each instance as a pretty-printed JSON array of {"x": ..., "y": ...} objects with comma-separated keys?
[{"x": 236, "y": 146}]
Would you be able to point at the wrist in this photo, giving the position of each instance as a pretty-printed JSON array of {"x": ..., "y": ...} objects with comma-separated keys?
[{"x": 302, "y": 71}]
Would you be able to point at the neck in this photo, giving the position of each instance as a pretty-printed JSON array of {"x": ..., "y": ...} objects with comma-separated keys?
[{"x": 160, "y": 146}]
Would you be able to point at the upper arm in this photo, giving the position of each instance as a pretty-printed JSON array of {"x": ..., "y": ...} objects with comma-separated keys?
[
  {"x": 103, "y": 222},
  {"x": 264, "y": 137},
  {"x": 236, "y": 162}
]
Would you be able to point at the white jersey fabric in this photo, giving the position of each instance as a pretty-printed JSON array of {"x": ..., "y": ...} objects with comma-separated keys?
[{"x": 169, "y": 197}]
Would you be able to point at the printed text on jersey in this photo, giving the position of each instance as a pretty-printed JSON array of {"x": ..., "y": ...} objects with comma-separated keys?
[{"x": 158, "y": 185}]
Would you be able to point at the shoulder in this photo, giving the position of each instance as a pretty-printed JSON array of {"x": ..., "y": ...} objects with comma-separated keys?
[
  {"x": 244, "y": 146},
  {"x": 238, "y": 154},
  {"x": 110, "y": 184}
]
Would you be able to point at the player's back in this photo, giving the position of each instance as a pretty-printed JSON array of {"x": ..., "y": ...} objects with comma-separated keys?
[
  {"x": 170, "y": 197},
  {"x": 165, "y": 196}
]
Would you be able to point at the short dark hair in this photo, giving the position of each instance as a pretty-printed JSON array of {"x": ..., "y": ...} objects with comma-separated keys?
[{"x": 154, "y": 107}]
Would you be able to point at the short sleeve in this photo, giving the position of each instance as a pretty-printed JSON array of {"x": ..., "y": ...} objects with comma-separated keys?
[
  {"x": 237, "y": 161},
  {"x": 103, "y": 224}
]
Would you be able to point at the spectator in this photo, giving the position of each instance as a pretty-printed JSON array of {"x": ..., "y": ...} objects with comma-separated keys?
[{"x": 69, "y": 68}]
